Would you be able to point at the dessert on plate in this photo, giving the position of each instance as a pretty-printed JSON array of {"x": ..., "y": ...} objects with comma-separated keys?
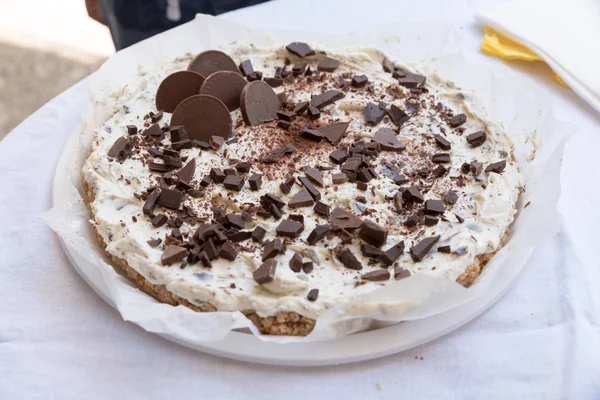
[{"x": 281, "y": 182}]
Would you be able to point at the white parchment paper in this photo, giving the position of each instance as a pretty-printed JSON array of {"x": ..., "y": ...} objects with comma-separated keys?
[{"x": 514, "y": 102}]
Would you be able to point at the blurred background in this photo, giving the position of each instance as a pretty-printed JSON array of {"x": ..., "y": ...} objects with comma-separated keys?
[{"x": 45, "y": 47}]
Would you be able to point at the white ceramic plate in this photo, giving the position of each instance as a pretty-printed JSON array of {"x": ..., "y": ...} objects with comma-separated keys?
[{"x": 357, "y": 347}]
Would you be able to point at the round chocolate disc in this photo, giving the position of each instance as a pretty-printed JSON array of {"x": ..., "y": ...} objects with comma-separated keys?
[
  {"x": 177, "y": 87},
  {"x": 211, "y": 61},
  {"x": 259, "y": 103},
  {"x": 202, "y": 117},
  {"x": 226, "y": 86}
]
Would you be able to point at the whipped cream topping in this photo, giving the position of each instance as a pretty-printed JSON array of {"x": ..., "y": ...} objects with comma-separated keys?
[{"x": 486, "y": 204}]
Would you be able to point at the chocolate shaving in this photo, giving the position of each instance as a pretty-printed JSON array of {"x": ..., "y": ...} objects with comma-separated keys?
[{"x": 377, "y": 275}]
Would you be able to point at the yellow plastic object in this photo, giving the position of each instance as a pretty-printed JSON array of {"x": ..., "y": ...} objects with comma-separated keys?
[{"x": 496, "y": 44}]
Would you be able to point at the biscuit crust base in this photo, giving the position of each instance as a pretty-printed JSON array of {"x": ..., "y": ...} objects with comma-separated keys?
[{"x": 284, "y": 323}]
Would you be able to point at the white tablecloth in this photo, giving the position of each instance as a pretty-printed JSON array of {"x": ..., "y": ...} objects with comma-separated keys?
[{"x": 58, "y": 339}]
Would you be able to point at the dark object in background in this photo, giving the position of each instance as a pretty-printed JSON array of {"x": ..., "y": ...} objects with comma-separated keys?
[{"x": 131, "y": 21}]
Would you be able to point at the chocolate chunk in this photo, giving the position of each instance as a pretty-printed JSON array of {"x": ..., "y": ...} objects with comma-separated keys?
[
  {"x": 441, "y": 158},
  {"x": 211, "y": 61},
  {"x": 240, "y": 236},
  {"x": 342, "y": 219},
  {"x": 312, "y": 134},
  {"x": 373, "y": 114},
  {"x": 420, "y": 250},
  {"x": 301, "y": 107},
  {"x": 413, "y": 194},
  {"x": 451, "y": 197},
  {"x": 173, "y": 254},
  {"x": 359, "y": 81},
  {"x": 266, "y": 272},
  {"x": 496, "y": 167},
  {"x": 349, "y": 260},
  {"x": 397, "y": 115},
  {"x": 300, "y": 49},
  {"x": 412, "y": 80},
  {"x": 210, "y": 249},
  {"x": 476, "y": 168},
  {"x": 234, "y": 221},
  {"x": 182, "y": 144},
  {"x": 302, "y": 198},
  {"x": 272, "y": 248},
  {"x": 459, "y": 218},
  {"x": 338, "y": 179},
  {"x": 284, "y": 124},
  {"x": 286, "y": 115},
  {"x": 228, "y": 252},
  {"x": 217, "y": 175},
  {"x": 154, "y": 152},
  {"x": 362, "y": 186},
  {"x": 439, "y": 171},
  {"x": 387, "y": 65},
  {"x": 401, "y": 273},
  {"x": 177, "y": 87},
  {"x": 178, "y": 133},
  {"x": 322, "y": 209},
  {"x": 318, "y": 233},
  {"x": 246, "y": 67},
  {"x": 458, "y": 120},
  {"x": 444, "y": 249},
  {"x": 442, "y": 142},
  {"x": 154, "y": 242},
  {"x": 203, "y": 257},
  {"x": 312, "y": 295},
  {"x": 150, "y": 203},
  {"x": 296, "y": 217},
  {"x": 271, "y": 199},
  {"x": 120, "y": 149},
  {"x": 255, "y": 182},
  {"x": 255, "y": 76},
  {"x": 233, "y": 182},
  {"x": 186, "y": 173},
  {"x": 226, "y": 86},
  {"x": 390, "y": 256},
  {"x": 434, "y": 207},
  {"x": 338, "y": 156},
  {"x": 152, "y": 130},
  {"x": 326, "y": 98},
  {"x": 275, "y": 211},
  {"x": 259, "y": 103},
  {"x": 314, "y": 192},
  {"x": 159, "y": 220},
  {"x": 430, "y": 220},
  {"x": 315, "y": 176},
  {"x": 388, "y": 140},
  {"x": 307, "y": 267},
  {"x": 287, "y": 184},
  {"x": 328, "y": 65},
  {"x": 274, "y": 82},
  {"x": 296, "y": 263},
  {"x": 173, "y": 162},
  {"x": 258, "y": 234},
  {"x": 313, "y": 112},
  {"x": 203, "y": 116},
  {"x": 376, "y": 276},
  {"x": 476, "y": 139},
  {"x": 334, "y": 132},
  {"x": 369, "y": 251},
  {"x": 373, "y": 233},
  {"x": 289, "y": 228},
  {"x": 216, "y": 142},
  {"x": 132, "y": 129},
  {"x": 243, "y": 167},
  {"x": 170, "y": 198},
  {"x": 398, "y": 202},
  {"x": 351, "y": 165},
  {"x": 299, "y": 68},
  {"x": 201, "y": 144}
]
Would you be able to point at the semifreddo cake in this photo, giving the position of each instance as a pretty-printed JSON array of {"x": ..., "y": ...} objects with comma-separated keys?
[{"x": 282, "y": 182}]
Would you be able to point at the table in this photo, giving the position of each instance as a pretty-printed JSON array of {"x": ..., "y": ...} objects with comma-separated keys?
[{"x": 58, "y": 339}]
